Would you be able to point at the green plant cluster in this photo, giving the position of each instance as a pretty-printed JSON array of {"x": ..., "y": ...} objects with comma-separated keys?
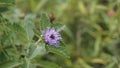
[
  {"x": 21, "y": 41},
  {"x": 91, "y": 33}
]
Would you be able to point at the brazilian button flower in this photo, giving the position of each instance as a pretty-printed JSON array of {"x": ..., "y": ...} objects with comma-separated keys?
[{"x": 52, "y": 36}]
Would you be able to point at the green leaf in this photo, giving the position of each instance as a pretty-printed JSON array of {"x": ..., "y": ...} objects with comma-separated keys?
[
  {"x": 57, "y": 25},
  {"x": 7, "y": 1},
  {"x": 111, "y": 65},
  {"x": 97, "y": 45},
  {"x": 58, "y": 50},
  {"x": 32, "y": 65},
  {"x": 11, "y": 52},
  {"x": 9, "y": 64},
  {"x": 3, "y": 57},
  {"x": 29, "y": 29},
  {"x": 17, "y": 32},
  {"x": 83, "y": 63},
  {"x": 16, "y": 27},
  {"x": 68, "y": 32},
  {"x": 3, "y": 9},
  {"x": 62, "y": 43},
  {"x": 37, "y": 50},
  {"x": 4, "y": 4},
  {"x": 44, "y": 21},
  {"x": 46, "y": 64}
]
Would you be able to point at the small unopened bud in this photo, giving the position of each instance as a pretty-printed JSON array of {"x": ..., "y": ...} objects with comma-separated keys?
[
  {"x": 111, "y": 13},
  {"x": 21, "y": 15},
  {"x": 52, "y": 17}
]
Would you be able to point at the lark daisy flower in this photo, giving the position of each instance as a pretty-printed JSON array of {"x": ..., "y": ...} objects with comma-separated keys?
[{"x": 52, "y": 36}]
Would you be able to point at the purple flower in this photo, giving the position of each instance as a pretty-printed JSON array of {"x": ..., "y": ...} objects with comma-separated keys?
[{"x": 52, "y": 36}]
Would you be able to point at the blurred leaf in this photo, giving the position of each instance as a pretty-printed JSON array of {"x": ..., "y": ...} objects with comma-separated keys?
[
  {"x": 29, "y": 29},
  {"x": 4, "y": 4},
  {"x": 44, "y": 21},
  {"x": 37, "y": 50},
  {"x": 98, "y": 60},
  {"x": 3, "y": 9},
  {"x": 40, "y": 5},
  {"x": 97, "y": 45},
  {"x": 82, "y": 7},
  {"x": 7, "y": 1},
  {"x": 12, "y": 52},
  {"x": 18, "y": 32},
  {"x": 83, "y": 63},
  {"x": 15, "y": 27},
  {"x": 92, "y": 7},
  {"x": 68, "y": 32},
  {"x": 3, "y": 57},
  {"x": 56, "y": 25},
  {"x": 9, "y": 64},
  {"x": 62, "y": 43},
  {"x": 111, "y": 65},
  {"x": 33, "y": 5},
  {"x": 47, "y": 64},
  {"x": 58, "y": 50}
]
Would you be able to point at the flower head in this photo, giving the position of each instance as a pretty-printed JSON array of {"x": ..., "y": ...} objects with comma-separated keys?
[{"x": 52, "y": 36}]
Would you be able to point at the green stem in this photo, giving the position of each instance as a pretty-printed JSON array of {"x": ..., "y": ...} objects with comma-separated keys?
[
  {"x": 4, "y": 52},
  {"x": 38, "y": 40},
  {"x": 97, "y": 46},
  {"x": 27, "y": 63}
]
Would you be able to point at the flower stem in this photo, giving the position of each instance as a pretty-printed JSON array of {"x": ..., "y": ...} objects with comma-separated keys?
[{"x": 38, "y": 40}]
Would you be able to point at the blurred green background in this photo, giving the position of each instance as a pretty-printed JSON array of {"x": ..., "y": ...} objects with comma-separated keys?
[{"x": 91, "y": 29}]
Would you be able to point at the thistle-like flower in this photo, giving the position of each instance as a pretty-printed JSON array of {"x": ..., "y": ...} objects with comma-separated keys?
[{"x": 52, "y": 36}]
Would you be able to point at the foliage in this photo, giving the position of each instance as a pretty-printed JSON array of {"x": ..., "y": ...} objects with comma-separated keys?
[
  {"x": 21, "y": 40},
  {"x": 91, "y": 33}
]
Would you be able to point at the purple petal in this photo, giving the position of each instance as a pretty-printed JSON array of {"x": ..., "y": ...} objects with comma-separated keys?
[{"x": 52, "y": 36}]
